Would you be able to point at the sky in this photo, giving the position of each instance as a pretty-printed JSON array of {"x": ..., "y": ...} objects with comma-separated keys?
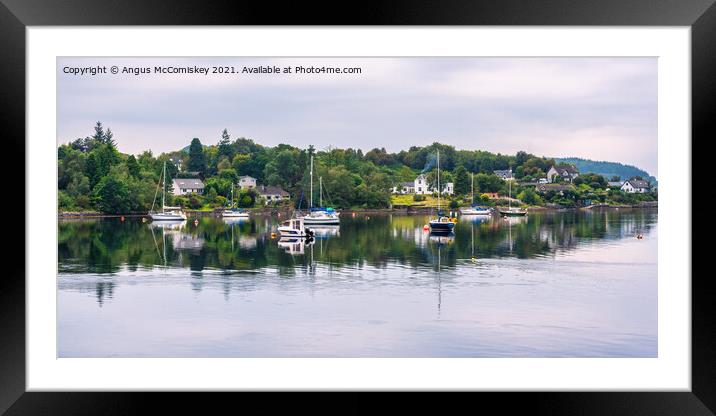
[{"x": 594, "y": 108}]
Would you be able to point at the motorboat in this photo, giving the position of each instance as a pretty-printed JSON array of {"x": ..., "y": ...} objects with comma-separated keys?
[{"x": 295, "y": 227}]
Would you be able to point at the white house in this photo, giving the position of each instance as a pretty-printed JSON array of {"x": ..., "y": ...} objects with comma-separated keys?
[
  {"x": 182, "y": 186},
  {"x": 568, "y": 173},
  {"x": 505, "y": 175},
  {"x": 421, "y": 185},
  {"x": 448, "y": 188},
  {"x": 635, "y": 186},
  {"x": 272, "y": 193},
  {"x": 247, "y": 182},
  {"x": 404, "y": 188}
]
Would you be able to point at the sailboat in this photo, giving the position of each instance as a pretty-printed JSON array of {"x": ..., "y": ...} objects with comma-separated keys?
[
  {"x": 474, "y": 208},
  {"x": 321, "y": 214},
  {"x": 233, "y": 212},
  {"x": 441, "y": 224},
  {"x": 167, "y": 213},
  {"x": 512, "y": 212}
]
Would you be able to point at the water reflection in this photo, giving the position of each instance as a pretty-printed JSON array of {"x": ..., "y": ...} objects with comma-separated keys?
[{"x": 110, "y": 246}]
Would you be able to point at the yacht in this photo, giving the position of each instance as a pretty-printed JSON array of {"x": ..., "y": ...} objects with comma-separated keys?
[
  {"x": 512, "y": 212},
  {"x": 320, "y": 215},
  {"x": 233, "y": 212},
  {"x": 441, "y": 224},
  {"x": 167, "y": 213},
  {"x": 475, "y": 209}
]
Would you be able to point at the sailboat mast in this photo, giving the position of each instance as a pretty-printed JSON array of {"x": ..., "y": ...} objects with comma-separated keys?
[
  {"x": 509, "y": 199},
  {"x": 472, "y": 187},
  {"x": 320, "y": 191},
  {"x": 439, "y": 182},
  {"x": 310, "y": 205},
  {"x": 164, "y": 186}
]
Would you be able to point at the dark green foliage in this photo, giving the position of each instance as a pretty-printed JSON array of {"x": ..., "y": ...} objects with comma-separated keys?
[{"x": 197, "y": 162}]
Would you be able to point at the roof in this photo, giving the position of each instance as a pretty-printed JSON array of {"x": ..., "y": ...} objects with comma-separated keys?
[
  {"x": 188, "y": 183},
  {"x": 420, "y": 176},
  {"x": 408, "y": 184},
  {"x": 246, "y": 177},
  {"x": 636, "y": 183},
  {"x": 505, "y": 172},
  {"x": 618, "y": 183},
  {"x": 568, "y": 169},
  {"x": 272, "y": 190}
]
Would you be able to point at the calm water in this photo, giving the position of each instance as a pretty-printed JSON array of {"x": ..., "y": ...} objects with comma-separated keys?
[{"x": 569, "y": 284}]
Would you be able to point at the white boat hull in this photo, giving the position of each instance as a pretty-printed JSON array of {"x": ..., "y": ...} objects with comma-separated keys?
[
  {"x": 161, "y": 216},
  {"x": 321, "y": 220},
  {"x": 235, "y": 214},
  {"x": 471, "y": 211}
]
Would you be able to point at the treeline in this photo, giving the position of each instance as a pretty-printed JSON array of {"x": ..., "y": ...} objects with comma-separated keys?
[
  {"x": 94, "y": 175},
  {"x": 608, "y": 169}
]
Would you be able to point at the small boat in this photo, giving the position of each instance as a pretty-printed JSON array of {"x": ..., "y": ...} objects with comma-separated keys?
[
  {"x": 295, "y": 227},
  {"x": 233, "y": 212},
  {"x": 167, "y": 213},
  {"x": 475, "y": 209},
  {"x": 442, "y": 224},
  {"x": 512, "y": 212},
  {"x": 320, "y": 215}
]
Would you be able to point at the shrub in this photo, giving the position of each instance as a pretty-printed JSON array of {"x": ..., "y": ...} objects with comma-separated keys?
[{"x": 418, "y": 198}]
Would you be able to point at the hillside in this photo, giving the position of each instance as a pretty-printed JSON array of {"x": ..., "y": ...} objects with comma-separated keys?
[{"x": 607, "y": 169}]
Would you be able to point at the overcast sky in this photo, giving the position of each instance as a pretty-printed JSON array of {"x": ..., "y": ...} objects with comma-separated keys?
[{"x": 595, "y": 108}]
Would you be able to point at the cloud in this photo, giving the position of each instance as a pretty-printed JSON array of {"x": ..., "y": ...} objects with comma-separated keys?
[{"x": 598, "y": 108}]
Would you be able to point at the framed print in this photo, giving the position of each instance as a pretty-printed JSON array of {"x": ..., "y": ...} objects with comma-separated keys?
[{"x": 503, "y": 205}]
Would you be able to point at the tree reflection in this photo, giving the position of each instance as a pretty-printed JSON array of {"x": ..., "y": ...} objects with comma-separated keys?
[{"x": 110, "y": 246}]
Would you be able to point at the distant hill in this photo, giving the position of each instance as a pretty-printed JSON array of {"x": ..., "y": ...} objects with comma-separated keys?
[{"x": 607, "y": 169}]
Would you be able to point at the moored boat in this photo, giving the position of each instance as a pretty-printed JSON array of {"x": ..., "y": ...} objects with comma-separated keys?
[
  {"x": 442, "y": 224},
  {"x": 512, "y": 212},
  {"x": 167, "y": 213},
  {"x": 320, "y": 215},
  {"x": 474, "y": 208},
  {"x": 295, "y": 227},
  {"x": 232, "y": 212}
]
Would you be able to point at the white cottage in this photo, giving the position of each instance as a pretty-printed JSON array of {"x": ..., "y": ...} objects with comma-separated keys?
[
  {"x": 421, "y": 185},
  {"x": 247, "y": 182},
  {"x": 181, "y": 186},
  {"x": 635, "y": 186}
]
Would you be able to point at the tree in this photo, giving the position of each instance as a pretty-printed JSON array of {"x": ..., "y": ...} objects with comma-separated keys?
[
  {"x": 197, "y": 162},
  {"x": 462, "y": 181},
  {"x": 225, "y": 147},
  {"x": 133, "y": 166}
]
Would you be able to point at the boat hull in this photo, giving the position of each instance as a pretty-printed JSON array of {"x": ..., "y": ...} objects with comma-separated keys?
[
  {"x": 513, "y": 213},
  {"x": 441, "y": 227},
  {"x": 322, "y": 221},
  {"x": 168, "y": 217},
  {"x": 470, "y": 211},
  {"x": 235, "y": 214}
]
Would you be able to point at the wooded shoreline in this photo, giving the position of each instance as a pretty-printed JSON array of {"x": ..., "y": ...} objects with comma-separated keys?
[{"x": 400, "y": 210}]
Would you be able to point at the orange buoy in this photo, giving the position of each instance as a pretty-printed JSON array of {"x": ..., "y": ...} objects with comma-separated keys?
[
  {"x": 121, "y": 218},
  {"x": 354, "y": 215},
  {"x": 426, "y": 227},
  {"x": 273, "y": 235},
  {"x": 196, "y": 221}
]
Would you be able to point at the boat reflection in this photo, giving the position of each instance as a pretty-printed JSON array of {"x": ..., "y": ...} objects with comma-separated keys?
[
  {"x": 294, "y": 245},
  {"x": 326, "y": 231}
]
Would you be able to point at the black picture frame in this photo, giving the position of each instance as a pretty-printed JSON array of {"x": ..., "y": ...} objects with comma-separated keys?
[{"x": 15, "y": 15}]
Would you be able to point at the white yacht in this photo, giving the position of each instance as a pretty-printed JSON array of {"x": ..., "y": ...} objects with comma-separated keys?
[
  {"x": 295, "y": 227},
  {"x": 167, "y": 213},
  {"x": 320, "y": 215},
  {"x": 474, "y": 208},
  {"x": 232, "y": 212}
]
